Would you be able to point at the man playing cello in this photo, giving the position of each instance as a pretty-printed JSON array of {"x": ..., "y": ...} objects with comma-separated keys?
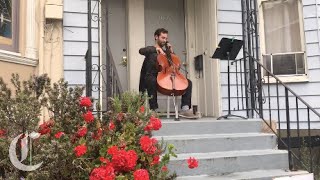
[{"x": 149, "y": 72}]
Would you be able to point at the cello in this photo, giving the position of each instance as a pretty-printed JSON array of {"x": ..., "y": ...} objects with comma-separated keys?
[{"x": 170, "y": 80}]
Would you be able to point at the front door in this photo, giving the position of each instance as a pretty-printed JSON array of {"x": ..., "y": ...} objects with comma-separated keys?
[
  {"x": 168, "y": 14},
  {"x": 117, "y": 38}
]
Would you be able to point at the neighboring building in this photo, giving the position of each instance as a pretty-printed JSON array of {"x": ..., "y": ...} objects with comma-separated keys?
[{"x": 31, "y": 38}]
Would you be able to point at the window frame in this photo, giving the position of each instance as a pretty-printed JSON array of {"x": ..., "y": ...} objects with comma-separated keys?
[
  {"x": 14, "y": 47},
  {"x": 289, "y": 77}
]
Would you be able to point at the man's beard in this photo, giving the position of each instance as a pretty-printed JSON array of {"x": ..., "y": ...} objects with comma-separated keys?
[{"x": 161, "y": 44}]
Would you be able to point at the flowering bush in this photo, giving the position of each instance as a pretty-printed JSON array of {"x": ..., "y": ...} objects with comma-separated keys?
[{"x": 75, "y": 144}]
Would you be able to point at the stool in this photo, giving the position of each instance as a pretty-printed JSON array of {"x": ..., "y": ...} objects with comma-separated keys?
[{"x": 175, "y": 107}]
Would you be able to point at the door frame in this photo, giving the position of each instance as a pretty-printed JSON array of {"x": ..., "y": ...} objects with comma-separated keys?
[
  {"x": 201, "y": 18},
  {"x": 211, "y": 80}
]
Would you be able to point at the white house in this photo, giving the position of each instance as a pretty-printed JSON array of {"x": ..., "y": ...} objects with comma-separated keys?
[{"x": 288, "y": 45}]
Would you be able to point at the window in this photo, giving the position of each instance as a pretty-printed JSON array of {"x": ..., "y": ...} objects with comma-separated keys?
[
  {"x": 9, "y": 25},
  {"x": 283, "y": 37}
]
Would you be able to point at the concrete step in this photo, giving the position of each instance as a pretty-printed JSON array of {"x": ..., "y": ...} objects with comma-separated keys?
[
  {"x": 252, "y": 175},
  {"x": 203, "y": 143},
  {"x": 219, "y": 163},
  {"x": 209, "y": 126}
]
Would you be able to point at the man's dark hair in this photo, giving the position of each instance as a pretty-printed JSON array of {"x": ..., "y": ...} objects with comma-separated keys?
[{"x": 159, "y": 31}]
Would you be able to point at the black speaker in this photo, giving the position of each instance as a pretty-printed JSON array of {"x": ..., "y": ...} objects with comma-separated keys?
[{"x": 198, "y": 62}]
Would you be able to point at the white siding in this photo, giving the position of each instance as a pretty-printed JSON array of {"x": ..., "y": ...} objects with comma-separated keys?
[{"x": 75, "y": 36}]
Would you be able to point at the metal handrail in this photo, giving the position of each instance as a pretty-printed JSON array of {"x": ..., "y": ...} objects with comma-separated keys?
[
  {"x": 289, "y": 89},
  {"x": 297, "y": 97},
  {"x": 286, "y": 53},
  {"x": 256, "y": 80},
  {"x": 115, "y": 73},
  {"x": 253, "y": 99}
]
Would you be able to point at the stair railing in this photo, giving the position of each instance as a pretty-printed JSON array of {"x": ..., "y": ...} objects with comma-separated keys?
[
  {"x": 114, "y": 87},
  {"x": 283, "y": 111}
]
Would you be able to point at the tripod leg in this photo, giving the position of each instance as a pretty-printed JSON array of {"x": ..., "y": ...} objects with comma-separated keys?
[
  {"x": 231, "y": 115},
  {"x": 172, "y": 77},
  {"x": 176, "y": 118},
  {"x": 229, "y": 97},
  {"x": 168, "y": 107}
]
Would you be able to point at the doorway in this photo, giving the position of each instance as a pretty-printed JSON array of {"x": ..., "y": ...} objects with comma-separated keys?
[
  {"x": 117, "y": 38},
  {"x": 168, "y": 14}
]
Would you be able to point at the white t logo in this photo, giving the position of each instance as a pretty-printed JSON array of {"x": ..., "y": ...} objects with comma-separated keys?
[{"x": 24, "y": 152}]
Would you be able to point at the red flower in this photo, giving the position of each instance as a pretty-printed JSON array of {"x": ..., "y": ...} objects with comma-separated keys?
[
  {"x": 82, "y": 132},
  {"x": 154, "y": 124},
  {"x": 164, "y": 168},
  {"x": 119, "y": 160},
  {"x": 113, "y": 150},
  {"x": 141, "y": 174},
  {"x": 148, "y": 127},
  {"x": 98, "y": 134},
  {"x": 88, "y": 117},
  {"x": 102, "y": 173},
  {"x": 85, "y": 102},
  {"x": 123, "y": 161},
  {"x": 192, "y": 163},
  {"x": 59, "y": 134},
  {"x": 45, "y": 128},
  {"x": 132, "y": 158},
  {"x": 80, "y": 150},
  {"x": 155, "y": 160},
  {"x": 120, "y": 116},
  {"x": 111, "y": 126},
  {"x": 2, "y": 132},
  {"x": 148, "y": 145},
  {"x": 104, "y": 160},
  {"x": 142, "y": 109}
]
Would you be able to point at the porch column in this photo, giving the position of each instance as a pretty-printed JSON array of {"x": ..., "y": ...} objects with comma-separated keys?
[
  {"x": 31, "y": 50},
  {"x": 50, "y": 43},
  {"x": 136, "y": 40},
  {"x": 201, "y": 17}
]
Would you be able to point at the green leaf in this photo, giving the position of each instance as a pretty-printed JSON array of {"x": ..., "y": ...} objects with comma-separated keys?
[{"x": 82, "y": 140}]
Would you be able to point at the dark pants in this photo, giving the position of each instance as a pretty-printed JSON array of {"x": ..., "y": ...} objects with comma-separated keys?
[{"x": 151, "y": 86}]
